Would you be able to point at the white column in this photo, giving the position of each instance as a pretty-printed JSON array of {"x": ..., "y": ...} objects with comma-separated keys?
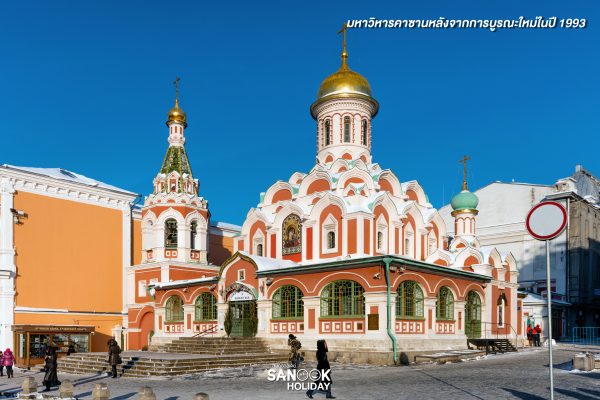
[
  {"x": 7, "y": 263},
  {"x": 344, "y": 236},
  {"x": 126, "y": 211}
]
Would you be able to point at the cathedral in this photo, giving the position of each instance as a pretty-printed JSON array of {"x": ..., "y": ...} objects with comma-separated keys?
[{"x": 345, "y": 251}]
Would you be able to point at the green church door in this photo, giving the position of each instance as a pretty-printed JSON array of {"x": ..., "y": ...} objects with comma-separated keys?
[
  {"x": 243, "y": 318},
  {"x": 473, "y": 316}
]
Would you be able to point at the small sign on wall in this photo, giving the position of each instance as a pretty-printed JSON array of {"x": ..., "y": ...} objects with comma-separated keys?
[{"x": 241, "y": 296}]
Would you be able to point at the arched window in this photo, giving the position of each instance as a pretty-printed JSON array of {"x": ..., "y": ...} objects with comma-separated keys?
[
  {"x": 501, "y": 310},
  {"x": 205, "y": 308},
  {"x": 364, "y": 132},
  {"x": 347, "y": 129},
  {"x": 343, "y": 299},
  {"x": 379, "y": 240},
  {"x": 171, "y": 234},
  {"x": 259, "y": 249},
  {"x": 409, "y": 300},
  {"x": 331, "y": 240},
  {"x": 327, "y": 132},
  {"x": 174, "y": 309},
  {"x": 445, "y": 304},
  {"x": 193, "y": 231},
  {"x": 288, "y": 303}
]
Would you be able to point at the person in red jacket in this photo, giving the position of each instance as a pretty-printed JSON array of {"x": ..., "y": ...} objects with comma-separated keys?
[
  {"x": 8, "y": 359},
  {"x": 537, "y": 331}
]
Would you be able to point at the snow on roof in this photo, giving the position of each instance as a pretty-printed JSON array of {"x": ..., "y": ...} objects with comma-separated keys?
[
  {"x": 226, "y": 225},
  {"x": 161, "y": 285},
  {"x": 534, "y": 298},
  {"x": 269, "y": 264},
  {"x": 65, "y": 175}
]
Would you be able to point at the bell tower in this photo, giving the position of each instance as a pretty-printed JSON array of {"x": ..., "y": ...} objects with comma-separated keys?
[{"x": 175, "y": 218}]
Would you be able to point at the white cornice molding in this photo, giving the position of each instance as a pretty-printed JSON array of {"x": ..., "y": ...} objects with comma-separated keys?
[{"x": 67, "y": 190}]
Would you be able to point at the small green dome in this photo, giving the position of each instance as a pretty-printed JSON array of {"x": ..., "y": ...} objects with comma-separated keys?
[{"x": 465, "y": 200}]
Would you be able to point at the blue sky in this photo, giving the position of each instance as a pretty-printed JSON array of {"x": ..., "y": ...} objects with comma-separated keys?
[{"x": 86, "y": 86}]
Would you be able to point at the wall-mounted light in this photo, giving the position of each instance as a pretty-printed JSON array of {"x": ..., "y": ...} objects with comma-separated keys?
[
  {"x": 17, "y": 215},
  {"x": 484, "y": 285},
  {"x": 377, "y": 275},
  {"x": 212, "y": 287},
  {"x": 269, "y": 281}
]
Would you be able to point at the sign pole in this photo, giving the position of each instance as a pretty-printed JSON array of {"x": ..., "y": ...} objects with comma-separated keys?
[
  {"x": 544, "y": 222},
  {"x": 549, "y": 298}
]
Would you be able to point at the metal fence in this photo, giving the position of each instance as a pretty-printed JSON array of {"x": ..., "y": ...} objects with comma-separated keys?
[{"x": 586, "y": 335}]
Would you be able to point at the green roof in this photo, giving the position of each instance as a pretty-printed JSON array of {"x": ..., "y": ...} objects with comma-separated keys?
[{"x": 176, "y": 160}]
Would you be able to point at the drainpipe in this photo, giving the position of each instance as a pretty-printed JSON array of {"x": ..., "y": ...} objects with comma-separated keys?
[{"x": 391, "y": 334}]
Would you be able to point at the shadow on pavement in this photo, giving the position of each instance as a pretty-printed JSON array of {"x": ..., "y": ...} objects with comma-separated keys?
[
  {"x": 84, "y": 394},
  {"x": 522, "y": 395},
  {"x": 566, "y": 366},
  {"x": 172, "y": 398},
  {"x": 574, "y": 394},
  {"x": 124, "y": 396},
  {"x": 94, "y": 378},
  {"x": 449, "y": 384},
  {"x": 590, "y": 391}
]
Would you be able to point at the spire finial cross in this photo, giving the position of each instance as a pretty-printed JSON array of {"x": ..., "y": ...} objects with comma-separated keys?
[
  {"x": 464, "y": 163},
  {"x": 344, "y": 51},
  {"x": 176, "y": 83}
]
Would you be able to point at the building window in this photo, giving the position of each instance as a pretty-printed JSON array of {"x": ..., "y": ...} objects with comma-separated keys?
[
  {"x": 501, "y": 310},
  {"x": 364, "y": 132},
  {"x": 445, "y": 304},
  {"x": 327, "y": 132},
  {"x": 193, "y": 231},
  {"x": 379, "y": 240},
  {"x": 205, "y": 307},
  {"x": 241, "y": 275},
  {"x": 171, "y": 234},
  {"x": 174, "y": 309},
  {"x": 343, "y": 299},
  {"x": 288, "y": 303},
  {"x": 347, "y": 129},
  {"x": 259, "y": 249},
  {"x": 331, "y": 240},
  {"x": 409, "y": 300}
]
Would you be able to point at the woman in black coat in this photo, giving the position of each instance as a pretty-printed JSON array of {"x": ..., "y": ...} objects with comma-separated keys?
[
  {"x": 51, "y": 366},
  {"x": 114, "y": 357},
  {"x": 324, "y": 369}
]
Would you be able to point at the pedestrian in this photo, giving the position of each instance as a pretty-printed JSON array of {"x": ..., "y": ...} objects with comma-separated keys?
[
  {"x": 530, "y": 334},
  {"x": 51, "y": 367},
  {"x": 114, "y": 357},
  {"x": 295, "y": 346},
  {"x": 324, "y": 381},
  {"x": 537, "y": 331},
  {"x": 8, "y": 359},
  {"x": 71, "y": 349}
]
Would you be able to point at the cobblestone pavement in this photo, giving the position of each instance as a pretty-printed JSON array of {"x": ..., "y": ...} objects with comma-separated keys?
[{"x": 521, "y": 375}]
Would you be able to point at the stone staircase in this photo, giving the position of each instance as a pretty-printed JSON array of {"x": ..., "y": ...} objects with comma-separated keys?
[
  {"x": 492, "y": 345},
  {"x": 181, "y": 357}
]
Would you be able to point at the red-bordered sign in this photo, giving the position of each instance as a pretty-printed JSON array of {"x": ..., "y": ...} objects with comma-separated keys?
[{"x": 546, "y": 220}]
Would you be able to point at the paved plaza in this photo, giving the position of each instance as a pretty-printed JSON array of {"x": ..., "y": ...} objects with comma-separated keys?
[{"x": 521, "y": 375}]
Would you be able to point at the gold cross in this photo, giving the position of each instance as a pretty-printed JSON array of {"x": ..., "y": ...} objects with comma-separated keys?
[
  {"x": 464, "y": 163},
  {"x": 343, "y": 30},
  {"x": 176, "y": 83}
]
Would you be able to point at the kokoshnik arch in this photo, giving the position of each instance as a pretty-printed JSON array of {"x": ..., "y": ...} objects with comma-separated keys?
[{"x": 318, "y": 254}]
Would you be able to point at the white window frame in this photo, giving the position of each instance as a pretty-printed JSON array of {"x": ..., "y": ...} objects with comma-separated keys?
[
  {"x": 258, "y": 238},
  {"x": 409, "y": 236},
  {"x": 329, "y": 225},
  {"x": 501, "y": 312},
  {"x": 142, "y": 288},
  {"x": 382, "y": 228},
  {"x": 241, "y": 275}
]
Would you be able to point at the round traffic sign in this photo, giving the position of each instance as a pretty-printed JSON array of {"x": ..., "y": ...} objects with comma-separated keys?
[{"x": 546, "y": 220}]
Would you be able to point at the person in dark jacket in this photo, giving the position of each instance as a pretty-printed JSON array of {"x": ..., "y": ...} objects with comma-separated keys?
[
  {"x": 324, "y": 368},
  {"x": 114, "y": 357},
  {"x": 295, "y": 347},
  {"x": 51, "y": 366}
]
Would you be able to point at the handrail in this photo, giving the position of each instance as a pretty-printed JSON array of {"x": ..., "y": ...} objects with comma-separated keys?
[
  {"x": 211, "y": 329},
  {"x": 486, "y": 328}
]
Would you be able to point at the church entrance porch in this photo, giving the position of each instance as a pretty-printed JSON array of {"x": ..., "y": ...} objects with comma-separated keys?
[{"x": 244, "y": 319}]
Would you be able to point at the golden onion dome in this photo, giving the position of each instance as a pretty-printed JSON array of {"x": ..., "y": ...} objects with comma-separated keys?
[
  {"x": 176, "y": 114},
  {"x": 344, "y": 83}
]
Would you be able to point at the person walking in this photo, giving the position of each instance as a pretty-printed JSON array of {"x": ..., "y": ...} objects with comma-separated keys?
[
  {"x": 8, "y": 359},
  {"x": 530, "y": 335},
  {"x": 295, "y": 346},
  {"x": 537, "y": 332},
  {"x": 324, "y": 382},
  {"x": 51, "y": 367},
  {"x": 114, "y": 357}
]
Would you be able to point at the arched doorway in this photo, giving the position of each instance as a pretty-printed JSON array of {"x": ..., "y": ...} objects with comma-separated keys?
[
  {"x": 146, "y": 326},
  {"x": 243, "y": 314},
  {"x": 473, "y": 316}
]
